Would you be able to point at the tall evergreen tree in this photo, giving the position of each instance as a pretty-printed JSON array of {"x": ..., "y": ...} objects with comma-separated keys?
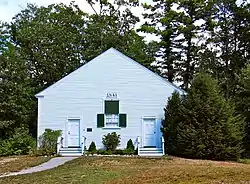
[
  {"x": 163, "y": 23},
  {"x": 228, "y": 43},
  {"x": 170, "y": 123},
  {"x": 192, "y": 19},
  {"x": 175, "y": 22},
  {"x": 243, "y": 105},
  {"x": 209, "y": 127}
]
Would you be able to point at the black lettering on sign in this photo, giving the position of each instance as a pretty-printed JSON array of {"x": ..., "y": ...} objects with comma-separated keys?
[{"x": 111, "y": 95}]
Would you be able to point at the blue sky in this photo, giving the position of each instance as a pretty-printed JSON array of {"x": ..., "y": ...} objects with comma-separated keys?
[{"x": 8, "y": 8}]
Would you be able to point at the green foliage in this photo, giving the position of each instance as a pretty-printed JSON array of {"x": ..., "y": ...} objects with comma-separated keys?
[
  {"x": 114, "y": 23},
  {"x": 229, "y": 29},
  {"x": 170, "y": 123},
  {"x": 128, "y": 152},
  {"x": 175, "y": 27},
  {"x": 219, "y": 44},
  {"x": 162, "y": 23},
  {"x": 50, "y": 39},
  {"x": 111, "y": 141},
  {"x": 21, "y": 143},
  {"x": 15, "y": 93},
  {"x": 92, "y": 148},
  {"x": 207, "y": 126},
  {"x": 130, "y": 145},
  {"x": 193, "y": 11},
  {"x": 242, "y": 101},
  {"x": 118, "y": 152},
  {"x": 48, "y": 141},
  {"x": 104, "y": 152},
  {"x": 244, "y": 161},
  {"x": 100, "y": 151},
  {"x": 130, "y": 149},
  {"x": 107, "y": 152},
  {"x": 43, "y": 44}
]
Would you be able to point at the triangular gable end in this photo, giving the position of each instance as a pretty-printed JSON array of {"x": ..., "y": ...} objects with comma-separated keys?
[
  {"x": 41, "y": 94},
  {"x": 150, "y": 71}
]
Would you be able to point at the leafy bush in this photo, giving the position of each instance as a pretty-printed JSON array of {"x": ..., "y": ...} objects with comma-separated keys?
[
  {"x": 128, "y": 152},
  {"x": 111, "y": 141},
  {"x": 107, "y": 152},
  {"x": 20, "y": 143},
  {"x": 130, "y": 149},
  {"x": 104, "y": 152},
  {"x": 49, "y": 142},
  {"x": 92, "y": 148},
  {"x": 118, "y": 152},
  {"x": 130, "y": 145},
  {"x": 100, "y": 152},
  {"x": 244, "y": 161}
]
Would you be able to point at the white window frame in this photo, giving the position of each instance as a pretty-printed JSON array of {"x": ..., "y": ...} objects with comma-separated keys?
[
  {"x": 116, "y": 124},
  {"x": 116, "y": 98}
]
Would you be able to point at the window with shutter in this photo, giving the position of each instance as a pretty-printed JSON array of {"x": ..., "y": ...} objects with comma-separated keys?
[
  {"x": 111, "y": 107},
  {"x": 100, "y": 120},
  {"x": 122, "y": 120},
  {"x": 111, "y": 117},
  {"x": 111, "y": 113}
]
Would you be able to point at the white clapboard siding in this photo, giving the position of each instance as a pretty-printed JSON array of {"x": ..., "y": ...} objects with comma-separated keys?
[{"x": 81, "y": 95}]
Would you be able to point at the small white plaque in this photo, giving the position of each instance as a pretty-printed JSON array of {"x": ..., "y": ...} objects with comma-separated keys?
[{"x": 111, "y": 95}]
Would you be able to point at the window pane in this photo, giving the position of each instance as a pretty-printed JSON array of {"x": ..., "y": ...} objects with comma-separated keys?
[
  {"x": 112, "y": 120},
  {"x": 111, "y": 107}
]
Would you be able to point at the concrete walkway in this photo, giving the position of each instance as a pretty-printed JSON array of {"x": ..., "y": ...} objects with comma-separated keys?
[{"x": 52, "y": 163}]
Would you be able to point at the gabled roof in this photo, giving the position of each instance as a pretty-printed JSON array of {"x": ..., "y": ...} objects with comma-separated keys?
[{"x": 40, "y": 94}]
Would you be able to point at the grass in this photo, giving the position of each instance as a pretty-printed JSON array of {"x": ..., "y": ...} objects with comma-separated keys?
[
  {"x": 17, "y": 163},
  {"x": 244, "y": 161},
  {"x": 126, "y": 170}
]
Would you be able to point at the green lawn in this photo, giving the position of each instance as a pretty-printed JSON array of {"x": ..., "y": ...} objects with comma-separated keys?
[{"x": 138, "y": 170}]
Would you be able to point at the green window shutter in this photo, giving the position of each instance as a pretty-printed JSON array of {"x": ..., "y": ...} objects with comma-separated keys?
[
  {"x": 100, "y": 120},
  {"x": 111, "y": 107},
  {"x": 122, "y": 120}
]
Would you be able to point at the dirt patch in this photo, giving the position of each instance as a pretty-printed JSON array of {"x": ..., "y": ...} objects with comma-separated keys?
[
  {"x": 6, "y": 160},
  {"x": 17, "y": 163},
  {"x": 203, "y": 162}
]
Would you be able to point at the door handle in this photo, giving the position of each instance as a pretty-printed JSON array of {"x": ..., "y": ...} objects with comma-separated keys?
[{"x": 68, "y": 132}]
